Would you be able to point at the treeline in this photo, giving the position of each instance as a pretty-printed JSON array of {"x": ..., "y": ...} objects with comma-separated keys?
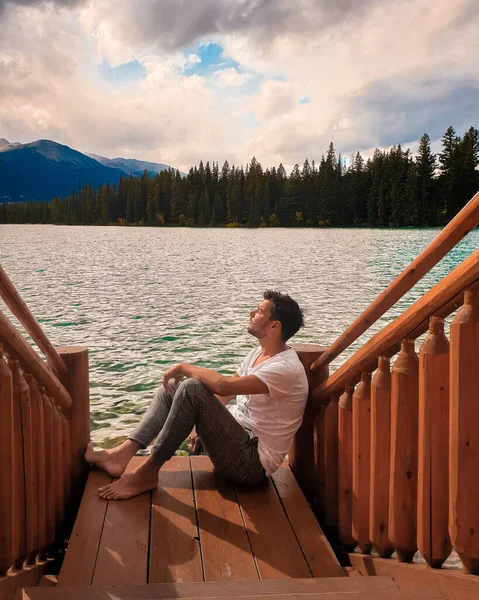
[{"x": 393, "y": 188}]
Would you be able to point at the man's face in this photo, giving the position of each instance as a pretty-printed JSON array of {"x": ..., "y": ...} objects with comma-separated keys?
[{"x": 260, "y": 319}]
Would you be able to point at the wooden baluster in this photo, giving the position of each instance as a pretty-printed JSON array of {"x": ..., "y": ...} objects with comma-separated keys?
[
  {"x": 49, "y": 473},
  {"x": 319, "y": 464},
  {"x": 345, "y": 468},
  {"x": 38, "y": 429},
  {"x": 18, "y": 488},
  {"x": 433, "y": 450},
  {"x": 464, "y": 433},
  {"x": 58, "y": 469},
  {"x": 404, "y": 442},
  {"x": 380, "y": 458},
  {"x": 331, "y": 467},
  {"x": 361, "y": 462},
  {"x": 66, "y": 458},
  {"x": 31, "y": 477},
  {"x": 6, "y": 466}
]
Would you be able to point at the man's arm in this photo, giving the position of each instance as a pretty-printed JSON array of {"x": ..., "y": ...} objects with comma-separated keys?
[{"x": 226, "y": 387}]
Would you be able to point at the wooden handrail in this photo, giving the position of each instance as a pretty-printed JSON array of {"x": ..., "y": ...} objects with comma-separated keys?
[
  {"x": 449, "y": 237},
  {"x": 17, "y": 347},
  {"x": 18, "y": 307},
  {"x": 445, "y": 293}
]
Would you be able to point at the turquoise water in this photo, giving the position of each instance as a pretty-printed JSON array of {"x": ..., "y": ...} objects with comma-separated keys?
[{"x": 142, "y": 299}]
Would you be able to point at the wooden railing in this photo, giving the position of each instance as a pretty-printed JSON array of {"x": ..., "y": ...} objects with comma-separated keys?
[
  {"x": 44, "y": 429},
  {"x": 396, "y": 432}
]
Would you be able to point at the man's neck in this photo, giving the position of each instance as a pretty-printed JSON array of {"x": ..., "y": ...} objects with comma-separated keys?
[{"x": 271, "y": 347}]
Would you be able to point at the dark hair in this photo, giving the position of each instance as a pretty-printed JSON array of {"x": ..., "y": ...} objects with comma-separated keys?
[{"x": 286, "y": 311}]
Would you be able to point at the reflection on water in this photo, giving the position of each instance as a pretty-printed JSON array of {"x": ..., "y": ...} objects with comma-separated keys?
[{"x": 141, "y": 299}]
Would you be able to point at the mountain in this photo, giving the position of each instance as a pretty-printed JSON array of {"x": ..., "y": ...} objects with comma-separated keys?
[
  {"x": 43, "y": 170},
  {"x": 130, "y": 166}
]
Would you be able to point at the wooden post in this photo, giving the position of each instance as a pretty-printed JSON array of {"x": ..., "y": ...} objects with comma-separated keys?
[
  {"x": 78, "y": 417},
  {"x": 331, "y": 468},
  {"x": 404, "y": 442},
  {"x": 433, "y": 450},
  {"x": 464, "y": 440},
  {"x": 18, "y": 488},
  {"x": 6, "y": 466},
  {"x": 380, "y": 458},
  {"x": 361, "y": 462},
  {"x": 38, "y": 430},
  {"x": 301, "y": 454},
  {"x": 345, "y": 468}
]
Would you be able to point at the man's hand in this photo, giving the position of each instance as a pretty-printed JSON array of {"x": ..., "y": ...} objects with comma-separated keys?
[
  {"x": 176, "y": 373},
  {"x": 194, "y": 440}
]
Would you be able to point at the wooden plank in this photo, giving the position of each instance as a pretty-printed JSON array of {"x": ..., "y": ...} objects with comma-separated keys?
[
  {"x": 224, "y": 543},
  {"x": 453, "y": 584},
  {"x": 383, "y": 595},
  {"x": 174, "y": 542},
  {"x": 365, "y": 359},
  {"x": 316, "y": 549},
  {"x": 451, "y": 235},
  {"x": 275, "y": 547},
  {"x": 123, "y": 552},
  {"x": 217, "y": 589},
  {"x": 80, "y": 558}
]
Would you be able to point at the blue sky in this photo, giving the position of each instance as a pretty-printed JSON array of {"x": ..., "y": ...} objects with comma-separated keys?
[{"x": 230, "y": 79}]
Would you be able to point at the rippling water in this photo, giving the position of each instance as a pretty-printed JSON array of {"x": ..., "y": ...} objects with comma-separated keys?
[{"x": 141, "y": 299}]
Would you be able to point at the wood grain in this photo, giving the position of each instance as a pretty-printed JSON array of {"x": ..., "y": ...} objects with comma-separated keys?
[{"x": 174, "y": 542}]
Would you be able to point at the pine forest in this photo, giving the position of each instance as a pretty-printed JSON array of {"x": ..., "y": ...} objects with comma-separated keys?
[{"x": 393, "y": 188}]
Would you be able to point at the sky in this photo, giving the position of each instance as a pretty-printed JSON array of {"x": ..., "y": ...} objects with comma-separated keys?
[{"x": 179, "y": 81}]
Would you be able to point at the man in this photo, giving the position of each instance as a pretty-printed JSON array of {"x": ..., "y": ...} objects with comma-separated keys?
[{"x": 246, "y": 442}]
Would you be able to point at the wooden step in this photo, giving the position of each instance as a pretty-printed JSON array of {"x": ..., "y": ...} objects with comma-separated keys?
[
  {"x": 245, "y": 590},
  {"x": 267, "y": 587},
  {"x": 196, "y": 527}
]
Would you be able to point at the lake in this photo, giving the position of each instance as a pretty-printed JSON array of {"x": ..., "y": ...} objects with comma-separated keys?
[{"x": 142, "y": 299}]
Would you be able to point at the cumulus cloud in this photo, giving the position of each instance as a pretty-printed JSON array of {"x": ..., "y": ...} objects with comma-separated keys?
[
  {"x": 374, "y": 73},
  {"x": 230, "y": 77}
]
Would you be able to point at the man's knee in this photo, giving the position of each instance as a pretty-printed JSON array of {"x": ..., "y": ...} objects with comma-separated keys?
[
  {"x": 190, "y": 386},
  {"x": 194, "y": 388}
]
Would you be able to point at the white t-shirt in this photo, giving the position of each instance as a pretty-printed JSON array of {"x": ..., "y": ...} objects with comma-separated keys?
[{"x": 275, "y": 417}]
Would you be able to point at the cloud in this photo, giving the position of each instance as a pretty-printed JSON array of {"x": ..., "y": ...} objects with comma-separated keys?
[
  {"x": 39, "y": 3},
  {"x": 230, "y": 77},
  {"x": 373, "y": 73}
]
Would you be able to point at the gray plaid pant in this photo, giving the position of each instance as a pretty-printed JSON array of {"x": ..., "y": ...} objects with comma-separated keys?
[{"x": 171, "y": 417}]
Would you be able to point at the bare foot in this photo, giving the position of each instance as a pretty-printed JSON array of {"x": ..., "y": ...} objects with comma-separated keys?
[
  {"x": 130, "y": 485},
  {"x": 112, "y": 461}
]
